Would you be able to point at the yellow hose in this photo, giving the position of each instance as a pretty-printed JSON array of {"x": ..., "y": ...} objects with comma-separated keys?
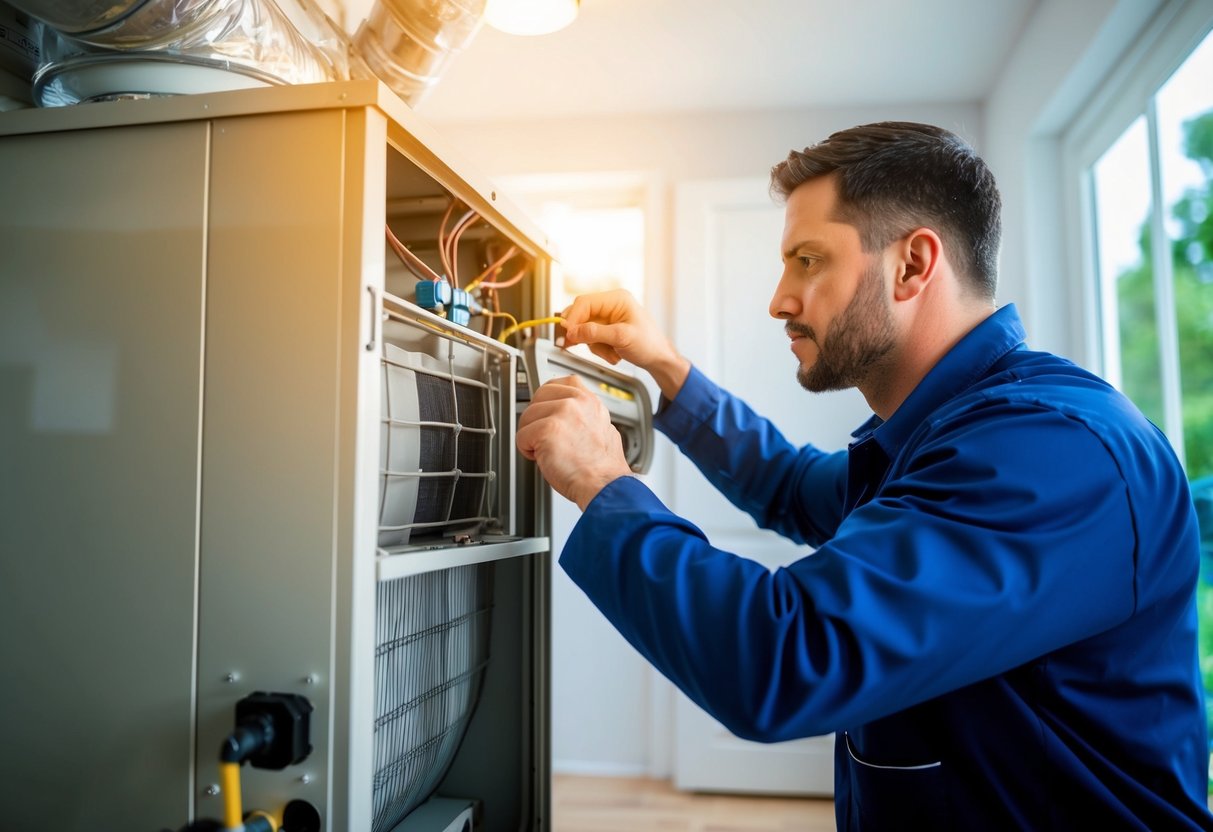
[
  {"x": 229, "y": 783},
  {"x": 508, "y": 331},
  {"x": 274, "y": 819}
]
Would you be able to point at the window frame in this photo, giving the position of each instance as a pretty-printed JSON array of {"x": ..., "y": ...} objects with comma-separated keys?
[{"x": 1127, "y": 94}]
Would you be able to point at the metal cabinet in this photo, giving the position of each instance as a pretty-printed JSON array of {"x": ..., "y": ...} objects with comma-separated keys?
[{"x": 193, "y": 294}]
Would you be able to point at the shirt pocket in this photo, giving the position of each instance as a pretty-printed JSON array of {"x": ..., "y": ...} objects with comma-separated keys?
[{"x": 897, "y": 797}]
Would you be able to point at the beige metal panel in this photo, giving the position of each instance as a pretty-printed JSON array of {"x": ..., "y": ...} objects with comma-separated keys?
[
  {"x": 164, "y": 109},
  {"x": 353, "y": 670},
  {"x": 101, "y": 284},
  {"x": 270, "y": 433},
  {"x": 407, "y": 131}
]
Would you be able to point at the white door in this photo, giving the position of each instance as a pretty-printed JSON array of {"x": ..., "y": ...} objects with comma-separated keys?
[{"x": 726, "y": 265}]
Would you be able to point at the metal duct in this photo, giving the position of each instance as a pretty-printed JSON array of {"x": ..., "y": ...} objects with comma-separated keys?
[{"x": 407, "y": 43}]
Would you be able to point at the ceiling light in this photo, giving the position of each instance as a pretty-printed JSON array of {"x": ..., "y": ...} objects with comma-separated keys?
[{"x": 530, "y": 17}]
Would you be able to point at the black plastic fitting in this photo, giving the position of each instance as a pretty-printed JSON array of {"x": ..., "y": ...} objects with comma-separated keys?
[
  {"x": 272, "y": 731},
  {"x": 301, "y": 816}
]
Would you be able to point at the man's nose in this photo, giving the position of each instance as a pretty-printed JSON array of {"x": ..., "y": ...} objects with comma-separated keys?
[{"x": 784, "y": 304}]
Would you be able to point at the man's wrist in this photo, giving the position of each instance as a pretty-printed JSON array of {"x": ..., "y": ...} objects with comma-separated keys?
[
  {"x": 671, "y": 374},
  {"x": 586, "y": 494}
]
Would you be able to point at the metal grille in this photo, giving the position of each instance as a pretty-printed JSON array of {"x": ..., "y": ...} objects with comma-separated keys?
[
  {"x": 432, "y": 646},
  {"x": 440, "y": 437}
]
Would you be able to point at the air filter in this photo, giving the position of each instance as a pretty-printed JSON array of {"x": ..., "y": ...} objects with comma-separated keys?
[
  {"x": 446, "y": 432},
  {"x": 432, "y": 646}
]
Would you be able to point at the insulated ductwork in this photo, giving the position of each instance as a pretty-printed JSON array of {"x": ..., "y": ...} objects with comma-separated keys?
[
  {"x": 20, "y": 36},
  {"x": 407, "y": 43},
  {"x": 94, "y": 50}
]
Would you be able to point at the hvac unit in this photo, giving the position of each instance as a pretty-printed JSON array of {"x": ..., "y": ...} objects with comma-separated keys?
[{"x": 256, "y": 468}]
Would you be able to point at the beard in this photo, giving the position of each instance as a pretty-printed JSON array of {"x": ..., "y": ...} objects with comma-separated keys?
[{"x": 857, "y": 340}]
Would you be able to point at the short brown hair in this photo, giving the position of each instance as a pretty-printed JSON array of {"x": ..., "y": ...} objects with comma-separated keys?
[{"x": 896, "y": 176}]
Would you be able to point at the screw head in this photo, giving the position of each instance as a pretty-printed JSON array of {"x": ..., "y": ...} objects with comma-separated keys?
[
  {"x": 305, "y": 779},
  {"x": 231, "y": 677},
  {"x": 212, "y": 790}
]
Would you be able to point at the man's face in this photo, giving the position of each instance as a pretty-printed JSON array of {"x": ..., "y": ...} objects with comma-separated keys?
[{"x": 831, "y": 295}]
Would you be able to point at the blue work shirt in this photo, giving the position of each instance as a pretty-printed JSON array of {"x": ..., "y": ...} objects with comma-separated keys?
[{"x": 999, "y": 622}]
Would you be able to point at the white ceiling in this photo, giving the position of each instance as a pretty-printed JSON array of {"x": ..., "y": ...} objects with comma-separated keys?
[{"x": 646, "y": 56}]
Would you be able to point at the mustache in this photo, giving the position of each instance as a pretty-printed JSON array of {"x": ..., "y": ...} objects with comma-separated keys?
[{"x": 795, "y": 328}]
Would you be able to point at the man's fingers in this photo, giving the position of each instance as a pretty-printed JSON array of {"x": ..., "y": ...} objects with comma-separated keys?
[
  {"x": 559, "y": 386},
  {"x": 606, "y": 353},
  {"x": 601, "y": 306},
  {"x": 602, "y": 339},
  {"x": 549, "y": 397},
  {"x": 592, "y": 333},
  {"x": 551, "y": 405}
]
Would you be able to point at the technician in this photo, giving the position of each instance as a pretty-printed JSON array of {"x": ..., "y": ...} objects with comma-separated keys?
[{"x": 998, "y": 622}]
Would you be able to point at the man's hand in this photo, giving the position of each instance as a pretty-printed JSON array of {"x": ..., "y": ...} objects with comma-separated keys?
[
  {"x": 616, "y": 326},
  {"x": 568, "y": 432}
]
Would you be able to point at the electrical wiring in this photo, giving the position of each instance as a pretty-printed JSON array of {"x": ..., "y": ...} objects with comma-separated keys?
[
  {"x": 442, "y": 252},
  {"x": 411, "y": 261},
  {"x": 505, "y": 284},
  {"x": 490, "y": 316},
  {"x": 494, "y": 300},
  {"x": 493, "y": 268},
  {"x": 465, "y": 222},
  {"x": 508, "y": 331}
]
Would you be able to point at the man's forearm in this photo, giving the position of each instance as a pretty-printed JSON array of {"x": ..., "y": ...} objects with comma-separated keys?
[{"x": 671, "y": 374}]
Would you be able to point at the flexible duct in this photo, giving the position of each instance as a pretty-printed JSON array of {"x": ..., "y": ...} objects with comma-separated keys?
[
  {"x": 407, "y": 43},
  {"x": 124, "y": 23},
  {"x": 94, "y": 50},
  {"x": 20, "y": 39}
]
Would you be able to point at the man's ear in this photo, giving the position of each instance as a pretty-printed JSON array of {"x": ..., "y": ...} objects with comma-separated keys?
[{"x": 919, "y": 258}]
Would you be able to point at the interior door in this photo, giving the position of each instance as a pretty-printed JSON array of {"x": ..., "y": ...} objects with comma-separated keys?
[{"x": 726, "y": 265}]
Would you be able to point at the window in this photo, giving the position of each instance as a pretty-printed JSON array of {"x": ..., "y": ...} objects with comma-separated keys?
[
  {"x": 597, "y": 226},
  {"x": 1154, "y": 250},
  {"x": 1147, "y": 165}
]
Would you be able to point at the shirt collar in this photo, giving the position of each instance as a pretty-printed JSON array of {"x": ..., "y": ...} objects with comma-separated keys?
[{"x": 963, "y": 365}]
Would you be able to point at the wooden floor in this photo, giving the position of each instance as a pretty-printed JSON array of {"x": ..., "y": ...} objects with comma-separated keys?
[{"x": 622, "y": 804}]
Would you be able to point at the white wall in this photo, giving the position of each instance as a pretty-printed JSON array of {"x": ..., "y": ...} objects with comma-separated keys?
[{"x": 680, "y": 147}]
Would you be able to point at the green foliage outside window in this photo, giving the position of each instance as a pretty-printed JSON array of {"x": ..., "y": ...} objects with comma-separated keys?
[{"x": 1192, "y": 266}]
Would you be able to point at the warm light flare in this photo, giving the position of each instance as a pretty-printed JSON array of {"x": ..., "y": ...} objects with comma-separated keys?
[
  {"x": 597, "y": 249},
  {"x": 530, "y": 17}
]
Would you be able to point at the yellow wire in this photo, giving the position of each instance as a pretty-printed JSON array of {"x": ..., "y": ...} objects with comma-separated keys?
[
  {"x": 274, "y": 819},
  {"x": 508, "y": 331},
  {"x": 506, "y": 315},
  {"x": 229, "y": 780},
  {"x": 498, "y": 265}
]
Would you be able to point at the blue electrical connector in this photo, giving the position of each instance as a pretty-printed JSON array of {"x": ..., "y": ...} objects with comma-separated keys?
[
  {"x": 460, "y": 310},
  {"x": 433, "y": 294},
  {"x": 439, "y": 296}
]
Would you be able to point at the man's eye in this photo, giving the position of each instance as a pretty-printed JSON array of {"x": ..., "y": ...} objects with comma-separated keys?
[{"x": 806, "y": 261}]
